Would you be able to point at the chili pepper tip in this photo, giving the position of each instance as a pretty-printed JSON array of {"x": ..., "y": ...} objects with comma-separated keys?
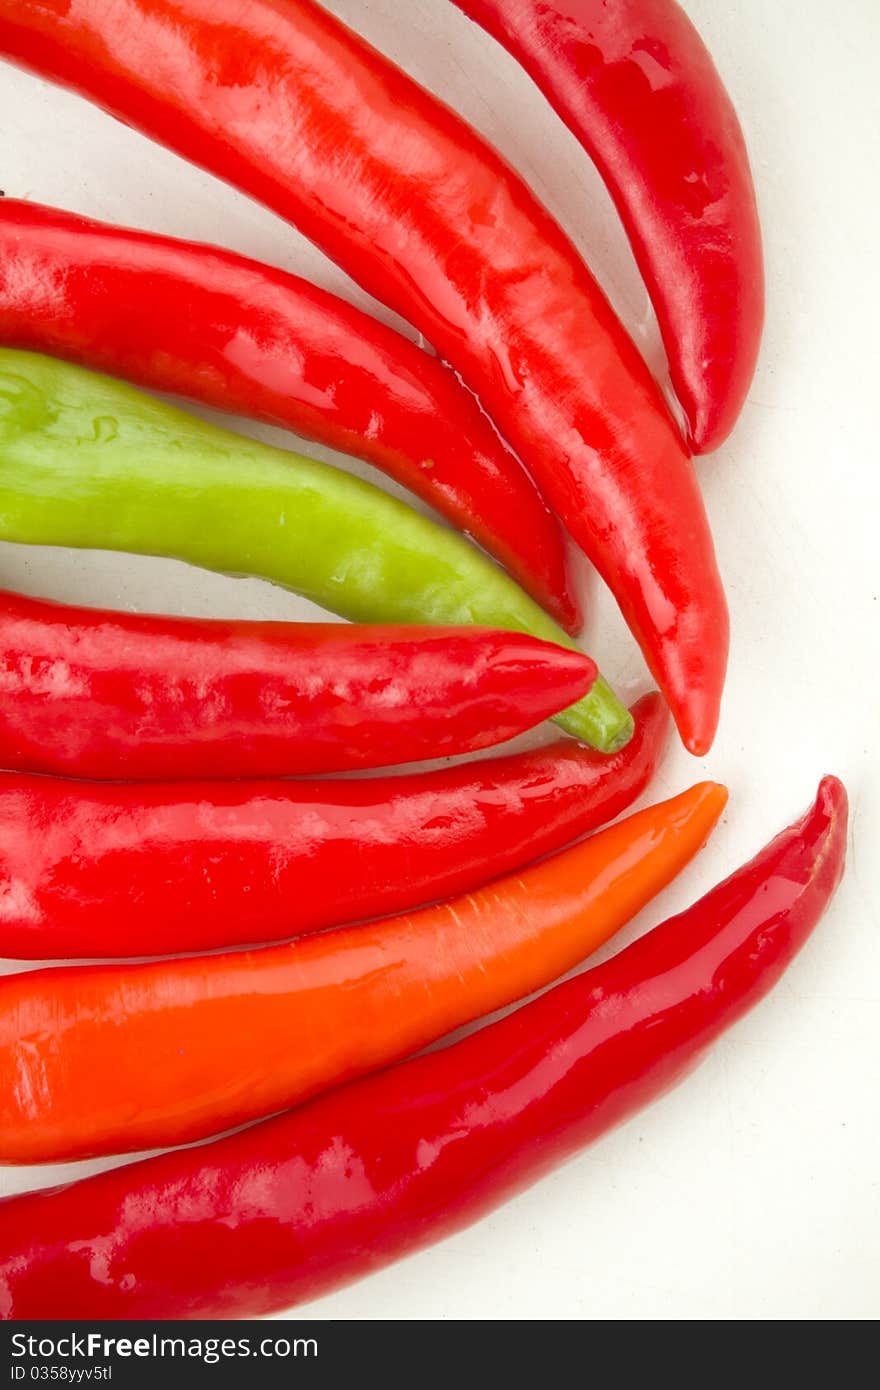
[
  {"x": 832, "y": 807},
  {"x": 832, "y": 794},
  {"x": 599, "y": 719}
]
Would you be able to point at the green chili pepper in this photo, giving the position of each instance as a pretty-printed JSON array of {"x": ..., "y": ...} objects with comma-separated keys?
[{"x": 89, "y": 461}]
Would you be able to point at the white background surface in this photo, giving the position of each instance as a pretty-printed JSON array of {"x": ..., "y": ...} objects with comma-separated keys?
[{"x": 752, "y": 1191}]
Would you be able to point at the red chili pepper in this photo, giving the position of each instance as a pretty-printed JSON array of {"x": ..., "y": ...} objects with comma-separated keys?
[
  {"x": 92, "y": 871},
  {"x": 636, "y": 85},
  {"x": 88, "y": 693},
  {"x": 282, "y": 100},
  {"x": 291, "y": 1208},
  {"x": 213, "y": 327}
]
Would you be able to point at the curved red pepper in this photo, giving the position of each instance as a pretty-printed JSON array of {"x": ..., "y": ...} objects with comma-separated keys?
[
  {"x": 288, "y": 1209},
  {"x": 213, "y": 327},
  {"x": 132, "y": 870},
  {"x": 282, "y": 100},
  {"x": 89, "y": 693},
  {"x": 636, "y": 85}
]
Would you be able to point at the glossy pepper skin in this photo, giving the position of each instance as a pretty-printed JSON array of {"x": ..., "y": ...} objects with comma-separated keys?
[
  {"x": 99, "y": 1059},
  {"x": 635, "y": 84},
  {"x": 292, "y": 1208},
  {"x": 282, "y": 100},
  {"x": 89, "y": 461},
  {"x": 95, "y": 871},
  {"x": 103, "y": 695},
  {"x": 228, "y": 332}
]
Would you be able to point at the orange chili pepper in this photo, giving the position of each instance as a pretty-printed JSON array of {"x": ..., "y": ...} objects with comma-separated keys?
[{"x": 107, "y": 1058}]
